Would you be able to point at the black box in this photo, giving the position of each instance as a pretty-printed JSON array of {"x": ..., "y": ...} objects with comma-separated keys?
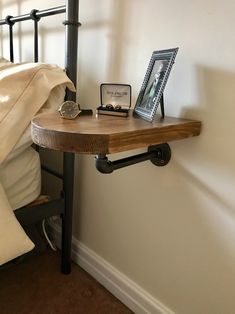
[{"x": 115, "y": 99}]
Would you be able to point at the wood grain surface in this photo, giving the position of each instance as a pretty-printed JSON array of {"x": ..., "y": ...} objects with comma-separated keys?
[{"x": 101, "y": 134}]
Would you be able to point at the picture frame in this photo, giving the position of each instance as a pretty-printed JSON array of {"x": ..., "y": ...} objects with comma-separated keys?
[{"x": 151, "y": 92}]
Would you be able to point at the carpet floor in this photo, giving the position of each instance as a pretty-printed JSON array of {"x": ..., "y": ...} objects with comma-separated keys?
[{"x": 37, "y": 286}]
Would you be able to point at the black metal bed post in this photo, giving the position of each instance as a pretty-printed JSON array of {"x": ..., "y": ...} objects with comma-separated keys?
[
  {"x": 35, "y": 19},
  {"x": 10, "y": 23},
  {"x": 71, "y": 24}
]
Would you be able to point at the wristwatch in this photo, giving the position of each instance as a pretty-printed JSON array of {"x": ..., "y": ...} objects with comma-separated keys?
[{"x": 69, "y": 110}]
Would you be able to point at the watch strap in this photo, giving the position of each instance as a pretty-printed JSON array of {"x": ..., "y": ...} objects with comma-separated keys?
[{"x": 86, "y": 112}]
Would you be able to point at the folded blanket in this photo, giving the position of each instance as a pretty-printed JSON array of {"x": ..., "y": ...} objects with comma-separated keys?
[{"x": 24, "y": 89}]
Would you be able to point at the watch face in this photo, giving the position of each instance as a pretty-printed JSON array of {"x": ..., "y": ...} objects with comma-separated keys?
[{"x": 69, "y": 110}]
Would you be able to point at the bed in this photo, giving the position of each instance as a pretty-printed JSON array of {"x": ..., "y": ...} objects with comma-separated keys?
[{"x": 20, "y": 169}]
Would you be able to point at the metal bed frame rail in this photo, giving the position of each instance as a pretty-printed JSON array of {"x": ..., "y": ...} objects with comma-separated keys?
[
  {"x": 64, "y": 205},
  {"x": 34, "y": 15}
]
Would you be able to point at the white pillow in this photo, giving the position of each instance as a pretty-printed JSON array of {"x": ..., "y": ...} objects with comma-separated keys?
[{"x": 14, "y": 241}]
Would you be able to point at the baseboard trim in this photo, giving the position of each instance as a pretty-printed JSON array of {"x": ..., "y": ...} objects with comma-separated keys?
[{"x": 127, "y": 291}]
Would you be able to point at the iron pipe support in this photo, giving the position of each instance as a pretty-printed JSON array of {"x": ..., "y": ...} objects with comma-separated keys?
[{"x": 159, "y": 155}]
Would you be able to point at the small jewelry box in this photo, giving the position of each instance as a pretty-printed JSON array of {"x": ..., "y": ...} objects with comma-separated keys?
[{"x": 115, "y": 99}]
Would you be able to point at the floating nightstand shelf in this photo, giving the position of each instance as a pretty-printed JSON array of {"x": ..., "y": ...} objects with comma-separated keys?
[{"x": 102, "y": 135}]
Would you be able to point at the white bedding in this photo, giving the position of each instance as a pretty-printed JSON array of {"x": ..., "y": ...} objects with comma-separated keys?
[
  {"x": 36, "y": 87},
  {"x": 21, "y": 178},
  {"x": 20, "y": 174}
]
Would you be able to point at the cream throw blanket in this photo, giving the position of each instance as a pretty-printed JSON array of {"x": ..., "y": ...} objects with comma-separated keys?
[{"x": 24, "y": 88}]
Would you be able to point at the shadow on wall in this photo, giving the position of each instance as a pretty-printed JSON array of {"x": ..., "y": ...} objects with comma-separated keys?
[
  {"x": 117, "y": 36},
  {"x": 214, "y": 149},
  {"x": 207, "y": 164},
  {"x": 110, "y": 39},
  {"x": 217, "y": 99},
  {"x": 216, "y": 96}
]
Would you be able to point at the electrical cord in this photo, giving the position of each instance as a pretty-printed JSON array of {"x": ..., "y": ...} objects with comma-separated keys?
[{"x": 53, "y": 247}]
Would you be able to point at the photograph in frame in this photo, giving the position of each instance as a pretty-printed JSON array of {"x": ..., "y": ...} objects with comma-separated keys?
[{"x": 154, "y": 83}]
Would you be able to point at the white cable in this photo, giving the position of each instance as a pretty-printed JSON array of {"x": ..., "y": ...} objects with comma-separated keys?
[{"x": 53, "y": 247}]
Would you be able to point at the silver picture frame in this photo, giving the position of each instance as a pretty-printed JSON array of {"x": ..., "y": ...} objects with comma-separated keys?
[{"x": 154, "y": 83}]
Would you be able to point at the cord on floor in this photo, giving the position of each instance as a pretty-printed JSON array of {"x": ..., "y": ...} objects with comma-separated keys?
[{"x": 53, "y": 247}]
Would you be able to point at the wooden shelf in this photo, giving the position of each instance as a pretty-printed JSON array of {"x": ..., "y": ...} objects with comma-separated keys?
[{"x": 108, "y": 134}]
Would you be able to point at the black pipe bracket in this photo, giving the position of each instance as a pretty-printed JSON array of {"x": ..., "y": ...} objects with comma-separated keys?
[{"x": 159, "y": 155}]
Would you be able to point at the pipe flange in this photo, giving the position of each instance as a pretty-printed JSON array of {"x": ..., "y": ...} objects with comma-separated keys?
[{"x": 162, "y": 156}]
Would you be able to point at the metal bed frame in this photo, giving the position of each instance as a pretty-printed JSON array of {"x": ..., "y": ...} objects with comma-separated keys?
[{"x": 64, "y": 205}]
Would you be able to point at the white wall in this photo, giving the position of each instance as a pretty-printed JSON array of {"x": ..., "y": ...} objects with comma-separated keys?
[{"x": 170, "y": 229}]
